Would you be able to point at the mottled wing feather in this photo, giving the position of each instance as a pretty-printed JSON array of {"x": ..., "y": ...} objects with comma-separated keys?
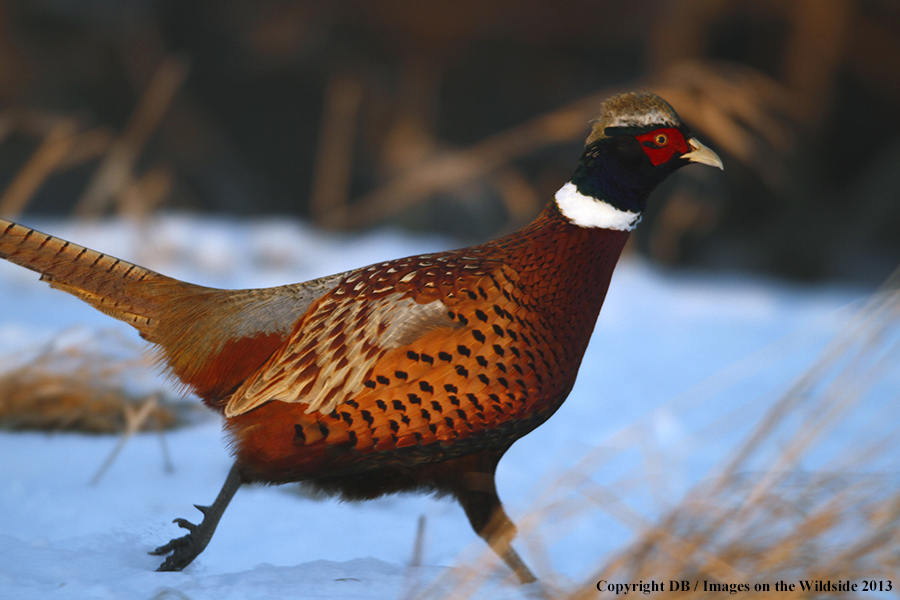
[
  {"x": 374, "y": 310},
  {"x": 334, "y": 349}
]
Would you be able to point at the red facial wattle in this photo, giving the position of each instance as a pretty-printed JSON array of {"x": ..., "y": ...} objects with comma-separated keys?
[{"x": 660, "y": 145}]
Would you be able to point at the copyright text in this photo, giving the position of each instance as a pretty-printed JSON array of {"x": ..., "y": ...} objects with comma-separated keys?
[{"x": 804, "y": 585}]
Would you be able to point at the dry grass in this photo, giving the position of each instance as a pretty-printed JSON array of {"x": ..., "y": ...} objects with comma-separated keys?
[
  {"x": 811, "y": 493},
  {"x": 79, "y": 386}
]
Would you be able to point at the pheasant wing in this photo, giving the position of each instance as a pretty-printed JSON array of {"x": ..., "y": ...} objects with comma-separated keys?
[{"x": 334, "y": 348}]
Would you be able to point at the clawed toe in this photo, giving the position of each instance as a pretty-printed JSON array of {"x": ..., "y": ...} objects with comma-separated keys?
[
  {"x": 184, "y": 549},
  {"x": 185, "y": 524}
]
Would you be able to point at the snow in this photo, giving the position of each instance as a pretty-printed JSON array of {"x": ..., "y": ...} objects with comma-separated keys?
[{"x": 668, "y": 348}]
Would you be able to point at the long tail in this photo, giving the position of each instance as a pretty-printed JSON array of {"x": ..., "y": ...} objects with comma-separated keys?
[
  {"x": 105, "y": 282},
  {"x": 210, "y": 339}
]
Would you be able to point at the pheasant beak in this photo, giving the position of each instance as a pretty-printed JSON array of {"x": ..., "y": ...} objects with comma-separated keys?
[{"x": 701, "y": 154}]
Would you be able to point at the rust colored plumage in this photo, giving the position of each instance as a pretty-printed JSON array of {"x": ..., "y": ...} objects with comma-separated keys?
[
  {"x": 412, "y": 374},
  {"x": 492, "y": 364}
]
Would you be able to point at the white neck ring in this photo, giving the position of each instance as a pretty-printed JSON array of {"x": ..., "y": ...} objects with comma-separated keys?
[{"x": 587, "y": 211}]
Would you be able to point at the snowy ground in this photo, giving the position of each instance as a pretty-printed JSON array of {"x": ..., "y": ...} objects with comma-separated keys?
[{"x": 659, "y": 337}]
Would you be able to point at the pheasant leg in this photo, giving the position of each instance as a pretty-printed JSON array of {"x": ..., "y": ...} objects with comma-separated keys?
[
  {"x": 188, "y": 547},
  {"x": 489, "y": 520}
]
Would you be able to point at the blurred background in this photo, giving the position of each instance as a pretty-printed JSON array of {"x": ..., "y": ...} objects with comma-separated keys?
[{"x": 462, "y": 117}]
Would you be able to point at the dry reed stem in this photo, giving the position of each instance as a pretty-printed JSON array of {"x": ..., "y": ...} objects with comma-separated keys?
[
  {"x": 135, "y": 419},
  {"x": 817, "y": 50},
  {"x": 143, "y": 195},
  {"x": 519, "y": 196},
  {"x": 116, "y": 171},
  {"x": 412, "y": 579},
  {"x": 334, "y": 157},
  {"x": 63, "y": 147},
  {"x": 47, "y": 159}
]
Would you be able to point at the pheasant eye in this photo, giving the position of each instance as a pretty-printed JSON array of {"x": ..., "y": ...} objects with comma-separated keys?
[{"x": 661, "y": 139}]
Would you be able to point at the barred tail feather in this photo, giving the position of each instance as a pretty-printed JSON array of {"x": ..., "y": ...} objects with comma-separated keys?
[{"x": 100, "y": 280}]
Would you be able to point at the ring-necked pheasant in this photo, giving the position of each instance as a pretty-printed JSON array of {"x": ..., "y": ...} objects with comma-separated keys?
[{"x": 412, "y": 374}]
